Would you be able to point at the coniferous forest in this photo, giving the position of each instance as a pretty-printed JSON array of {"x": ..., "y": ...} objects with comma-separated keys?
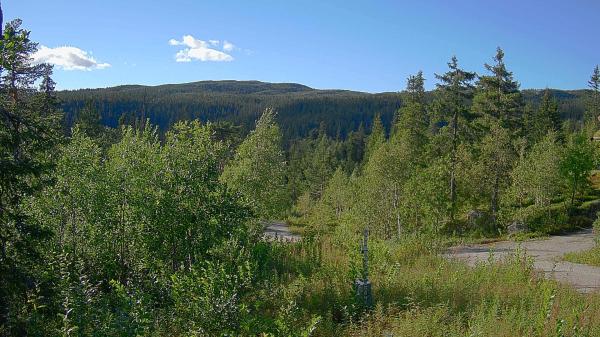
[{"x": 140, "y": 211}]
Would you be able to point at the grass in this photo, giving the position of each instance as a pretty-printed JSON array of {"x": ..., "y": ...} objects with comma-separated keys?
[
  {"x": 419, "y": 293},
  {"x": 590, "y": 257}
]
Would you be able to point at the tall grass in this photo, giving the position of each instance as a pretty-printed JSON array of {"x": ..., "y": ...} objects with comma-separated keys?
[{"x": 419, "y": 293}]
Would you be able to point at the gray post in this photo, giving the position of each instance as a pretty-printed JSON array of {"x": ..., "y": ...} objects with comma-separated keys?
[
  {"x": 365, "y": 252},
  {"x": 363, "y": 285}
]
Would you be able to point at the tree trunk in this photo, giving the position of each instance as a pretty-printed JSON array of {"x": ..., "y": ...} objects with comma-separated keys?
[
  {"x": 573, "y": 196},
  {"x": 453, "y": 165},
  {"x": 396, "y": 209},
  {"x": 495, "y": 192}
]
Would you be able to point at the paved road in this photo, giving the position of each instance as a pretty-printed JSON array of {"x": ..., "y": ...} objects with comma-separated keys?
[
  {"x": 279, "y": 231},
  {"x": 547, "y": 255}
]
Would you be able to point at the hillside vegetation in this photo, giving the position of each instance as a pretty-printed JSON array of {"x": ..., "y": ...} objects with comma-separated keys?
[
  {"x": 139, "y": 211},
  {"x": 300, "y": 108}
]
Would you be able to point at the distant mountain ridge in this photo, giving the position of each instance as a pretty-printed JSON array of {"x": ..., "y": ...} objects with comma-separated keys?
[
  {"x": 224, "y": 87},
  {"x": 300, "y": 108}
]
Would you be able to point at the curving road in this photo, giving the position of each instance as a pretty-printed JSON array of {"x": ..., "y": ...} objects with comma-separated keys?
[{"x": 547, "y": 256}]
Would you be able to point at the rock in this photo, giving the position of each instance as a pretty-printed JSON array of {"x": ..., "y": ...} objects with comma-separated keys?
[
  {"x": 516, "y": 227},
  {"x": 474, "y": 216},
  {"x": 480, "y": 220}
]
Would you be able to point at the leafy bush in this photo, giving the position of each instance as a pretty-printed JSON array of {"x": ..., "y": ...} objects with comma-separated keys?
[{"x": 208, "y": 300}]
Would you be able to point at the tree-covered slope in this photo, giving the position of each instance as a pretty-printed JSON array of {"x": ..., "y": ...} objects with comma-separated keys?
[{"x": 300, "y": 108}]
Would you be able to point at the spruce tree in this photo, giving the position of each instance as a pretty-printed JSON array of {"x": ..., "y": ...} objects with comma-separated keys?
[
  {"x": 498, "y": 104},
  {"x": 593, "y": 105},
  {"x": 89, "y": 120},
  {"x": 455, "y": 91},
  {"x": 498, "y": 99},
  {"x": 321, "y": 163},
  {"x": 29, "y": 130},
  {"x": 376, "y": 137},
  {"x": 547, "y": 118},
  {"x": 413, "y": 120}
]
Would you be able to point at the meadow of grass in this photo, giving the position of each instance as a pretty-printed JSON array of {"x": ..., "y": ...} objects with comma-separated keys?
[{"x": 419, "y": 293}]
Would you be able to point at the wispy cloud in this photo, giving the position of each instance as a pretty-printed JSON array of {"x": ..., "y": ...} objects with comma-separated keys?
[
  {"x": 228, "y": 46},
  {"x": 201, "y": 50},
  {"x": 68, "y": 58}
]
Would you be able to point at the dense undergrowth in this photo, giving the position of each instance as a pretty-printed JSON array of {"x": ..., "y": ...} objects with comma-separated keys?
[{"x": 417, "y": 292}]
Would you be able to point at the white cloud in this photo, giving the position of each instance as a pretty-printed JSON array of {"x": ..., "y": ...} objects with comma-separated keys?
[
  {"x": 228, "y": 46},
  {"x": 199, "y": 50},
  {"x": 67, "y": 58}
]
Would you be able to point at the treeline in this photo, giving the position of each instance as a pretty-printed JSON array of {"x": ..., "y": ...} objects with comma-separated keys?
[{"x": 300, "y": 109}]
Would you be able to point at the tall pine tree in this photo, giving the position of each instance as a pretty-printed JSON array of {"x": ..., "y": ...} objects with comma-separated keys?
[
  {"x": 455, "y": 91},
  {"x": 29, "y": 129},
  {"x": 593, "y": 105},
  {"x": 498, "y": 104},
  {"x": 498, "y": 99},
  {"x": 413, "y": 120}
]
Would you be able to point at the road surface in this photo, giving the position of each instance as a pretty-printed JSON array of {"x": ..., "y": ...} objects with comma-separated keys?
[
  {"x": 547, "y": 255},
  {"x": 279, "y": 231}
]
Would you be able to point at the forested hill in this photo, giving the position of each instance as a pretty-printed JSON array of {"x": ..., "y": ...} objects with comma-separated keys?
[{"x": 300, "y": 108}]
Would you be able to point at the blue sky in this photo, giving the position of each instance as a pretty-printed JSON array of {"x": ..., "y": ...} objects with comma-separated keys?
[{"x": 359, "y": 45}]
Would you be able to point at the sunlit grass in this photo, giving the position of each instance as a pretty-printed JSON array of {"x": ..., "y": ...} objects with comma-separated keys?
[
  {"x": 417, "y": 292},
  {"x": 590, "y": 257}
]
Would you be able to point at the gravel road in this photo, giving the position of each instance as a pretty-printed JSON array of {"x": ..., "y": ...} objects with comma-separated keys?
[
  {"x": 547, "y": 255},
  {"x": 280, "y": 231}
]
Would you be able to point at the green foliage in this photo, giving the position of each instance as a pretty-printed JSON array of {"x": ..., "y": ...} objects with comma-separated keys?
[
  {"x": 498, "y": 99},
  {"x": 208, "y": 300},
  {"x": 593, "y": 102},
  {"x": 144, "y": 212},
  {"x": 546, "y": 119},
  {"x": 536, "y": 178},
  {"x": 334, "y": 202},
  {"x": 320, "y": 166},
  {"x": 29, "y": 130},
  {"x": 580, "y": 158},
  {"x": 376, "y": 138},
  {"x": 148, "y": 232},
  {"x": 428, "y": 209},
  {"x": 495, "y": 162},
  {"x": 258, "y": 169}
]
